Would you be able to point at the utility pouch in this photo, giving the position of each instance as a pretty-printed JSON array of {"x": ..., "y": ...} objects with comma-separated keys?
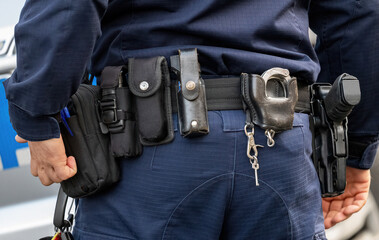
[
  {"x": 116, "y": 111},
  {"x": 149, "y": 81},
  {"x": 191, "y": 98},
  {"x": 269, "y": 100},
  {"x": 83, "y": 139}
]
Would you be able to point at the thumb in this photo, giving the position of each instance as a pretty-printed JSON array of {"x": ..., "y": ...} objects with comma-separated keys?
[
  {"x": 68, "y": 170},
  {"x": 20, "y": 139},
  {"x": 71, "y": 163}
]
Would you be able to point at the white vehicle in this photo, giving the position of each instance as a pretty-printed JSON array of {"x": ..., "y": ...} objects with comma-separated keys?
[{"x": 7, "y": 50}]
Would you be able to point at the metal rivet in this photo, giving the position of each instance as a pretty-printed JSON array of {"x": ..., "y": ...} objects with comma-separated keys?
[
  {"x": 194, "y": 124},
  {"x": 144, "y": 85},
  {"x": 190, "y": 85}
]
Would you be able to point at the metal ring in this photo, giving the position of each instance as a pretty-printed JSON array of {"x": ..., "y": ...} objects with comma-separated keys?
[{"x": 270, "y": 137}]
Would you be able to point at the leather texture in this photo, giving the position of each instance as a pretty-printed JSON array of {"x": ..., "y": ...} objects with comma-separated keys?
[
  {"x": 271, "y": 105},
  {"x": 192, "y": 103}
]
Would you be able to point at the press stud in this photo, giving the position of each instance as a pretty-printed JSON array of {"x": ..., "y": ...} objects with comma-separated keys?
[
  {"x": 194, "y": 124},
  {"x": 190, "y": 85},
  {"x": 144, "y": 85}
]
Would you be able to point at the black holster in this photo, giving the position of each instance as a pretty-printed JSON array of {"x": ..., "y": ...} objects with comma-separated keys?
[{"x": 330, "y": 107}]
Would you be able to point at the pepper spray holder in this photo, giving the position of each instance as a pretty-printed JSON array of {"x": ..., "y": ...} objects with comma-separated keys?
[{"x": 192, "y": 103}]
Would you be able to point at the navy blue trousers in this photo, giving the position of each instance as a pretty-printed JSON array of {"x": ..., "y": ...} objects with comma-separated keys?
[{"x": 204, "y": 188}]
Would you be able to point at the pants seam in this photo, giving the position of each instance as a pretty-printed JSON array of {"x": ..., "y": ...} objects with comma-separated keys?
[
  {"x": 100, "y": 235},
  {"x": 188, "y": 195},
  {"x": 233, "y": 172},
  {"x": 280, "y": 196}
]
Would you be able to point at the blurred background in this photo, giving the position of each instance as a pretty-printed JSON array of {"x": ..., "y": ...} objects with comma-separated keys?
[{"x": 27, "y": 207}]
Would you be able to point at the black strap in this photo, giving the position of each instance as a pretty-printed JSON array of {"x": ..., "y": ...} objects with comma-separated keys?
[{"x": 225, "y": 94}]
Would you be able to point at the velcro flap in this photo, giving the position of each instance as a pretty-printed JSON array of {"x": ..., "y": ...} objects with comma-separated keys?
[
  {"x": 145, "y": 75},
  {"x": 189, "y": 73}
]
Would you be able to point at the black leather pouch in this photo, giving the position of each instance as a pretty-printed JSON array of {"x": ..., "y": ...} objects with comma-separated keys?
[
  {"x": 192, "y": 103},
  {"x": 149, "y": 81},
  {"x": 97, "y": 168},
  {"x": 117, "y": 113},
  {"x": 270, "y": 99}
]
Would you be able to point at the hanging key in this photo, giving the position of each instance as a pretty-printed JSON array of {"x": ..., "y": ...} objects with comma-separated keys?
[
  {"x": 252, "y": 152},
  {"x": 255, "y": 165}
]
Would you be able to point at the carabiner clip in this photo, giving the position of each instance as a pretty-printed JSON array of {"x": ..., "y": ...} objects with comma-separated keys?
[{"x": 251, "y": 146}]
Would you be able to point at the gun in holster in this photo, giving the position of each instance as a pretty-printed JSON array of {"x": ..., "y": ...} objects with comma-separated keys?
[{"x": 330, "y": 106}]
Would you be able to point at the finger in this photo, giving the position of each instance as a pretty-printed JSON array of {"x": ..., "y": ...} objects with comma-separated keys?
[
  {"x": 53, "y": 175},
  {"x": 33, "y": 164},
  {"x": 334, "y": 208},
  {"x": 67, "y": 171},
  {"x": 33, "y": 168},
  {"x": 325, "y": 207},
  {"x": 339, "y": 217},
  {"x": 336, "y": 205},
  {"x": 348, "y": 202},
  {"x": 71, "y": 162},
  {"x": 349, "y": 210},
  {"x": 20, "y": 140},
  {"x": 45, "y": 180}
]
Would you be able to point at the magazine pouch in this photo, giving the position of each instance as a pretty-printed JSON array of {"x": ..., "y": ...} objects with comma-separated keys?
[{"x": 149, "y": 81}]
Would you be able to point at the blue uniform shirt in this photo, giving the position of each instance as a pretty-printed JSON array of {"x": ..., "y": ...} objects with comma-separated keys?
[{"x": 56, "y": 39}]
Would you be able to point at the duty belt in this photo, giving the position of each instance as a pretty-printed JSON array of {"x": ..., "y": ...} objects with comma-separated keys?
[{"x": 225, "y": 94}]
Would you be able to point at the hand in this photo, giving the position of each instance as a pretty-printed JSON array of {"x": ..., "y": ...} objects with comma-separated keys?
[
  {"x": 49, "y": 161},
  {"x": 338, "y": 209}
]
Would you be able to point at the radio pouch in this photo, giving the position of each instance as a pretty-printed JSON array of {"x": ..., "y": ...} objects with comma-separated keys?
[
  {"x": 117, "y": 113},
  {"x": 149, "y": 81},
  {"x": 192, "y": 103},
  {"x": 83, "y": 139}
]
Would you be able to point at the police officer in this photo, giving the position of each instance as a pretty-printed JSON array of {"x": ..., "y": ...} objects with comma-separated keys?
[{"x": 201, "y": 188}]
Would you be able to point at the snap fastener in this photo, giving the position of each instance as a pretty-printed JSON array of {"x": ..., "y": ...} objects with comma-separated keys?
[
  {"x": 194, "y": 124},
  {"x": 190, "y": 85},
  {"x": 144, "y": 85}
]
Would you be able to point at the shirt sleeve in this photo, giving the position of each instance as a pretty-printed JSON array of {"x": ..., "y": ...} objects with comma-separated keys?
[
  {"x": 54, "y": 40},
  {"x": 348, "y": 41}
]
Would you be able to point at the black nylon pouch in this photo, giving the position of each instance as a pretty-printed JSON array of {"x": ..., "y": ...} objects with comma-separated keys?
[
  {"x": 149, "y": 81},
  {"x": 117, "y": 113},
  {"x": 97, "y": 169}
]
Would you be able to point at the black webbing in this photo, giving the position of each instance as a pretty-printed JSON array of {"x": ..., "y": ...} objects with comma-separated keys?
[{"x": 225, "y": 94}]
